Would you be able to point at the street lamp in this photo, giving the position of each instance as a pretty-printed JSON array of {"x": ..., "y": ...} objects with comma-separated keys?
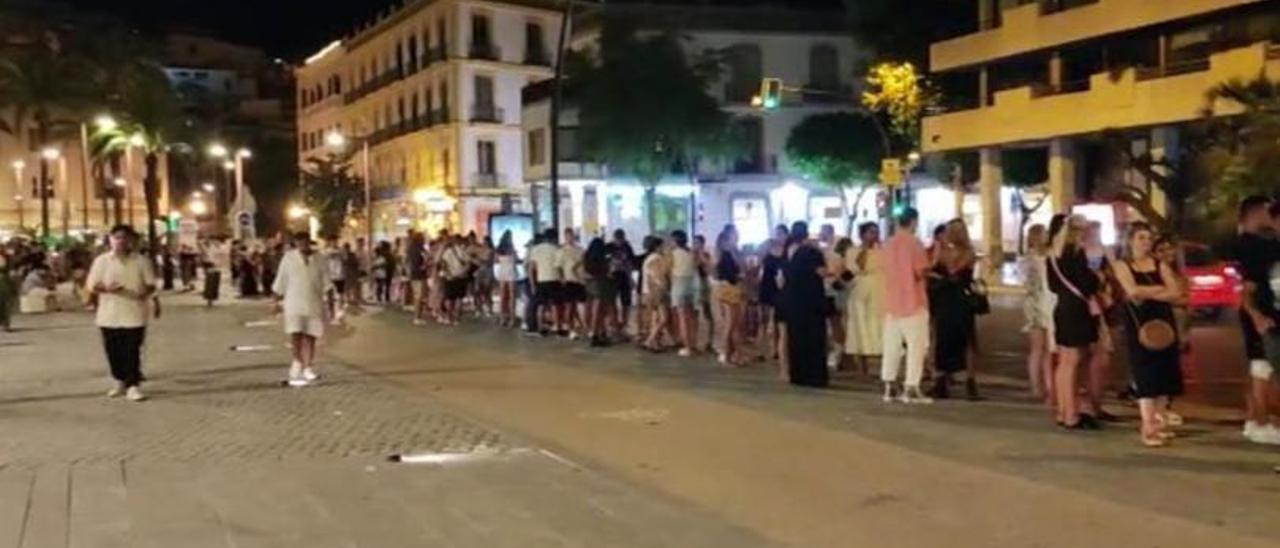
[
  {"x": 218, "y": 150},
  {"x": 50, "y": 153},
  {"x": 198, "y": 207},
  {"x": 208, "y": 187},
  {"x": 336, "y": 140},
  {"x": 104, "y": 122}
]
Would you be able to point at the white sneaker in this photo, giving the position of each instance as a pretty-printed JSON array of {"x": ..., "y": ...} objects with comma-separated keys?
[
  {"x": 573, "y": 335},
  {"x": 912, "y": 394},
  {"x": 684, "y": 353},
  {"x": 310, "y": 374},
  {"x": 833, "y": 359},
  {"x": 295, "y": 370},
  {"x": 1263, "y": 434},
  {"x": 723, "y": 359},
  {"x": 116, "y": 391},
  {"x": 134, "y": 394},
  {"x": 419, "y": 321}
]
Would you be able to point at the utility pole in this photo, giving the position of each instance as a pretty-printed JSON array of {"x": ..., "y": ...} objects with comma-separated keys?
[{"x": 557, "y": 98}]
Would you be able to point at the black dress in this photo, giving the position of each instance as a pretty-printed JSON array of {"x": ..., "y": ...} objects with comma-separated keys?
[
  {"x": 769, "y": 279},
  {"x": 806, "y": 325},
  {"x": 1074, "y": 325},
  {"x": 952, "y": 315},
  {"x": 1155, "y": 372}
]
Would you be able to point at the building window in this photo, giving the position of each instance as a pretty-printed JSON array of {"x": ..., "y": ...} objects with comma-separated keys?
[
  {"x": 442, "y": 39},
  {"x": 486, "y": 160},
  {"x": 481, "y": 38},
  {"x": 824, "y": 67},
  {"x": 746, "y": 68},
  {"x": 484, "y": 109},
  {"x": 752, "y": 160},
  {"x": 537, "y": 146},
  {"x": 535, "y": 50}
]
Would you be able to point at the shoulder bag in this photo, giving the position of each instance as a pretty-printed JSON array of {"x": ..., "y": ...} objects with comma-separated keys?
[{"x": 1154, "y": 335}]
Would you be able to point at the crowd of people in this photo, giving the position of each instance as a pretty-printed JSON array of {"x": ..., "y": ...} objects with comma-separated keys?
[{"x": 805, "y": 305}]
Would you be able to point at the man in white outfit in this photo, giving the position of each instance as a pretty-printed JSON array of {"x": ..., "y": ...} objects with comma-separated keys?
[
  {"x": 906, "y": 321},
  {"x": 300, "y": 287}
]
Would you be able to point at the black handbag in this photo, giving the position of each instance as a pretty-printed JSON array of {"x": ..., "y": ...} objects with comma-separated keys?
[{"x": 979, "y": 302}]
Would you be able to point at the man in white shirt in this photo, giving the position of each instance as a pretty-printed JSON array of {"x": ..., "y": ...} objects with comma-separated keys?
[
  {"x": 572, "y": 290},
  {"x": 456, "y": 265},
  {"x": 544, "y": 275},
  {"x": 299, "y": 288},
  {"x": 123, "y": 282}
]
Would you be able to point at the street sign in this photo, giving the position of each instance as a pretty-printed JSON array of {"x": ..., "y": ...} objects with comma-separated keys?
[{"x": 891, "y": 172}]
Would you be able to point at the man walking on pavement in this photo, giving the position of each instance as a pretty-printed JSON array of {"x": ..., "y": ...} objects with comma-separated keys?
[
  {"x": 123, "y": 282},
  {"x": 299, "y": 292}
]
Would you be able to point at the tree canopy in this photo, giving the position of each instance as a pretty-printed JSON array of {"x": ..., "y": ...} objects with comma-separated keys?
[
  {"x": 330, "y": 190},
  {"x": 838, "y": 149},
  {"x": 644, "y": 109}
]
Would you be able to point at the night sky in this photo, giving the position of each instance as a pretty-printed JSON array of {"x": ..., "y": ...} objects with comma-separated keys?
[{"x": 291, "y": 29}]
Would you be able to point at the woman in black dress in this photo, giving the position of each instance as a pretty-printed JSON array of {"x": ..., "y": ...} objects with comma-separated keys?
[
  {"x": 950, "y": 280},
  {"x": 1150, "y": 290},
  {"x": 803, "y": 296},
  {"x": 1075, "y": 316},
  {"x": 770, "y": 267}
]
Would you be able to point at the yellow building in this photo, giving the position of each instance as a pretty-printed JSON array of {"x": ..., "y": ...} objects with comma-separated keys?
[
  {"x": 433, "y": 91},
  {"x": 1056, "y": 74}
]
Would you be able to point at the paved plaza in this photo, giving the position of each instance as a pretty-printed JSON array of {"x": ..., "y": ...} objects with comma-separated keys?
[{"x": 543, "y": 442}]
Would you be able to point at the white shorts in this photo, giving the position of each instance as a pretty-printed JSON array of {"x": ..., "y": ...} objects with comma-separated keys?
[{"x": 305, "y": 325}]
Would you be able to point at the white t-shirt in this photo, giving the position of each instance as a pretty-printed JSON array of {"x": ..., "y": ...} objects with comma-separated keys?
[
  {"x": 545, "y": 258},
  {"x": 131, "y": 272},
  {"x": 682, "y": 263},
  {"x": 301, "y": 282},
  {"x": 570, "y": 259},
  {"x": 334, "y": 259},
  {"x": 456, "y": 262}
]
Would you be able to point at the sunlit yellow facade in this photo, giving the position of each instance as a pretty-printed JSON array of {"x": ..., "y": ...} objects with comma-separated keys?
[{"x": 1058, "y": 74}]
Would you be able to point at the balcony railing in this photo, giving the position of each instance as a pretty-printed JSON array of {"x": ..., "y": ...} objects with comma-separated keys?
[
  {"x": 1172, "y": 69},
  {"x": 485, "y": 51},
  {"x": 537, "y": 58},
  {"x": 486, "y": 113},
  {"x": 485, "y": 180}
]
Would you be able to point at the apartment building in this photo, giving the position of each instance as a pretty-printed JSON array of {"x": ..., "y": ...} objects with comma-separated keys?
[
  {"x": 428, "y": 99},
  {"x": 809, "y": 50},
  {"x": 1056, "y": 74}
]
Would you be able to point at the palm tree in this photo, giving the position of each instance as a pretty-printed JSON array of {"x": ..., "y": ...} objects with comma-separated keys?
[
  {"x": 41, "y": 90},
  {"x": 150, "y": 121}
]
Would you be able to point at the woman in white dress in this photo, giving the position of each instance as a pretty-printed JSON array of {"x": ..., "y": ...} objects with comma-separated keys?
[
  {"x": 865, "y": 318},
  {"x": 1038, "y": 310},
  {"x": 506, "y": 276}
]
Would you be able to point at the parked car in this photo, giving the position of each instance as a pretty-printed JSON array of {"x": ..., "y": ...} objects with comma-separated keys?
[{"x": 1215, "y": 284}]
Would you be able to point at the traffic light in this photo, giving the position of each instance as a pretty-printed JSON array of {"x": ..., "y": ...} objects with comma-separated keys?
[{"x": 770, "y": 93}]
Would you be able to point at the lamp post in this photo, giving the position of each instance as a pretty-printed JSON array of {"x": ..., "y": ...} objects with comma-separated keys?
[
  {"x": 18, "y": 166},
  {"x": 337, "y": 141},
  {"x": 47, "y": 154}
]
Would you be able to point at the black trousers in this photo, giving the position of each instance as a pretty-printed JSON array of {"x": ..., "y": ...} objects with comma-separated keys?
[
  {"x": 382, "y": 288},
  {"x": 124, "y": 353}
]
